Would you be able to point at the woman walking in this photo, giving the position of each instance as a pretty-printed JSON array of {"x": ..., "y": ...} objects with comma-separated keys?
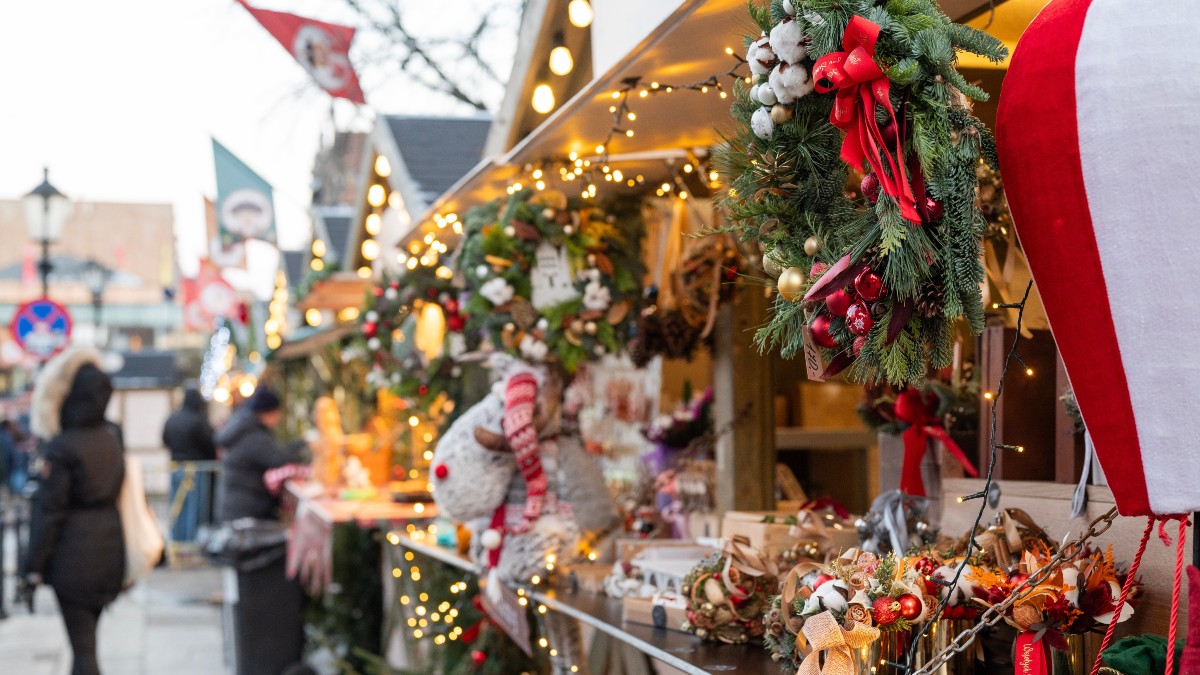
[{"x": 76, "y": 543}]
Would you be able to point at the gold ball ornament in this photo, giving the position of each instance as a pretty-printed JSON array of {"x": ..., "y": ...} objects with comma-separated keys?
[
  {"x": 791, "y": 283},
  {"x": 812, "y": 246},
  {"x": 771, "y": 264},
  {"x": 781, "y": 113}
]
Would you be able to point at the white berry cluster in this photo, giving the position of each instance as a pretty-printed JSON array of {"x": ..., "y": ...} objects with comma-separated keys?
[{"x": 779, "y": 56}]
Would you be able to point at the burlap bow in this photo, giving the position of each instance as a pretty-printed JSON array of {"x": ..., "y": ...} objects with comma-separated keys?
[
  {"x": 825, "y": 634},
  {"x": 743, "y": 560}
]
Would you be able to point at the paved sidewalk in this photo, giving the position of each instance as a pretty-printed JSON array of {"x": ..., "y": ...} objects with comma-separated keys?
[{"x": 171, "y": 623}]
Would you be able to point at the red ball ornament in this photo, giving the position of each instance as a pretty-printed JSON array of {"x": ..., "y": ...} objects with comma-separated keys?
[
  {"x": 888, "y": 134},
  {"x": 858, "y": 319},
  {"x": 910, "y": 606},
  {"x": 885, "y": 611},
  {"x": 1017, "y": 579},
  {"x": 817, "y": 270},
  {"x": 731, "y": 274},
  {"x": 858, "y": 345},
  {"x": 821, "y": 334},
  {"x": 377, "y": 291},
  {"x": 478, "y": 657},
  {"x": 820, "y": 580},
  {"x": 933, "y": 209},
  {"x": 441, "y": 471},
  {"x": 370, "y": 328},
  {"x": 423, "y": 389},
  {"x": 926, "y": 566},
  {"x": 839, "y": 303},
  {"x": 870, "y": 187},
  {"x": 455, "y": 323},
  {"x": 451, "y": 306},
  {"x": 869, "y": 286}
]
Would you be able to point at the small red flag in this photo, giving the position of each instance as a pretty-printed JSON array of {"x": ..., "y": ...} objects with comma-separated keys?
[{"x": 322, "y": 48}]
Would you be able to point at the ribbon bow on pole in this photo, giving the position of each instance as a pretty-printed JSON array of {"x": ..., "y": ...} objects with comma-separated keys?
[
  {"x": 910, "y": 407},
  {"x": 860, "y": 85},
  {"x": 825, "y": 634}
]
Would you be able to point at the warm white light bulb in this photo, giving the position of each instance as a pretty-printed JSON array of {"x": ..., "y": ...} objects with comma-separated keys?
[
  {"x": 561, "y": 62},
  {"x": 543, "y": 98},
  {"x": 370, "y": 249},
  {"x": 580, "y": 13},
  {"x": 373, "y": 224}
]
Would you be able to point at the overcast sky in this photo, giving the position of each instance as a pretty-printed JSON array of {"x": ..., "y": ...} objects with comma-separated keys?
[{"x": 120, "y": 98}]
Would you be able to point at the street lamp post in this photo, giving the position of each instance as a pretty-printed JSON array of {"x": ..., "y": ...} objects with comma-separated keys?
[
  {"x": 46, "y": 209},
  {"x": 95, "y": 277}
]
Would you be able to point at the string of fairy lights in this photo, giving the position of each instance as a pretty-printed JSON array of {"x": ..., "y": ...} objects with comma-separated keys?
[{"x": 438, "y": 623}]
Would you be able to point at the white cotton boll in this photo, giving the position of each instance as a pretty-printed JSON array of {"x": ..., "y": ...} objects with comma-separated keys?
[
  {"x": 766, "y": 95},
  {"x": 497, "y": 291},
  {"x": 787, "y": 7},
  {"x": 787, "y": 41},
  {"x": 372, "y": 316},
  {"x": 761, "y": 124},
  {"x": 777, "y": 87},
  {"x": 793, "y": 80},
  {"x": 760, "y": 56},
  {"x": 533, "y": 348},
  {"x": 596, "y": 296},
  {"x": 482, "y": 271},
  {"x": 543, "y": 324}
]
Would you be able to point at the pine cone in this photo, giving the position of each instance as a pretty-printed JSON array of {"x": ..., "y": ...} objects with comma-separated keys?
[
  {"x": 679, "y": 335},
  {"x": 931, "y": 301}
]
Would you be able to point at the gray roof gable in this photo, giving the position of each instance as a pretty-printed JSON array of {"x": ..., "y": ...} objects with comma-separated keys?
[{"x": 438, "y": 151}]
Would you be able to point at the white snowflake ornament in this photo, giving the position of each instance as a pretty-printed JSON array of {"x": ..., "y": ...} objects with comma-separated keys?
[{"x": 761, "y": 124}]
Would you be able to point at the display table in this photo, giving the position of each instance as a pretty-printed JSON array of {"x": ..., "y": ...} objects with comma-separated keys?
[{"x": 687, "y": 653}]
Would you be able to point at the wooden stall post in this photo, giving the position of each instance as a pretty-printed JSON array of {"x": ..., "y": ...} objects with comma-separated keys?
[{"x": 743, "y": 408}]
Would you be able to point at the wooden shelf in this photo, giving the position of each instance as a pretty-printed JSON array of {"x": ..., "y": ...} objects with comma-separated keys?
[{"x": 816, "y": 439}]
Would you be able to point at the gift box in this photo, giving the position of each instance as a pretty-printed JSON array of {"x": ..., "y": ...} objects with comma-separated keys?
[
  {"x": 657, "y": 612},
  {"x": 789, "y": 529}
]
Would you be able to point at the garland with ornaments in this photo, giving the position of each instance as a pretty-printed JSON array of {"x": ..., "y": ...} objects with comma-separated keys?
[
  {"x": 872, "y": 283},
  {"x": 392, "y": 337},
  {"x": 549, "y": 282}
]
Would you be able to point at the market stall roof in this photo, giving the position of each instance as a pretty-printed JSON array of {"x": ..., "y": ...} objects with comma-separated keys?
[
  {"x": 687, "y": 47},
  {"x": 336, "y": 292},
  {"x": 307, "y": 341}
]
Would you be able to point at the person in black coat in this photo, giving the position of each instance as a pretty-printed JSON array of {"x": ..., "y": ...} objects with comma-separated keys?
[
  {"x": 189, "y": 437},
  {"x": 268, "y": 620},
  {"x": 76, "y": 542}
]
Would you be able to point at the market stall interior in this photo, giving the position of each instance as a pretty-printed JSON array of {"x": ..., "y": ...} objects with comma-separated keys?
[{"x": 724, "y": 355}]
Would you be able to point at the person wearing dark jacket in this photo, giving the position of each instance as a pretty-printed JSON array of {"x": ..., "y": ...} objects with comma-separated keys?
[
  {"x": 76, "y": 542},
  {"x": 268, "y": 619},
  {"x": 189, "y": 437}
]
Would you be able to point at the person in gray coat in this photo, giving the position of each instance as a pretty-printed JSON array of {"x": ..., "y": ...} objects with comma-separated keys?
[
  {"x": 76, "y": 542},
  {"x": 268, "y": 619}
]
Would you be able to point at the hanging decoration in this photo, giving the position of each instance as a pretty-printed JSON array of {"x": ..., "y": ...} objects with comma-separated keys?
[
  {"x": 873, "y": 282},
  {"x": 547, "y": 282}
]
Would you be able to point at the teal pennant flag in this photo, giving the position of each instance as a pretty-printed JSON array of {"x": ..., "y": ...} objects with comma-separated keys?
[{"x": 245, "y": 205}]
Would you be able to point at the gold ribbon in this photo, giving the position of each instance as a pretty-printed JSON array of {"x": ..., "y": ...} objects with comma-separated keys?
[{"x": 825, "y": 634}]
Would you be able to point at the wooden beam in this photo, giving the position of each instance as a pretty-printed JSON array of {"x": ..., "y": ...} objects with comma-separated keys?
[{"x": 743, "y": 409}]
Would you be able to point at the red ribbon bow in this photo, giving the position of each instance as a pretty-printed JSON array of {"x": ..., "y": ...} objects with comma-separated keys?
[
  {"x": 911, "y": 408},
  {"x": 861, "y": 85}
]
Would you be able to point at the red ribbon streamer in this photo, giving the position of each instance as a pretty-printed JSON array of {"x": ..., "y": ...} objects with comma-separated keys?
[
  {"x": 839, "y": 509},
  {"x": 861, "y": 85},
  {"x": 1029, "y": 657},
  {"x": 910, "y": 407}
]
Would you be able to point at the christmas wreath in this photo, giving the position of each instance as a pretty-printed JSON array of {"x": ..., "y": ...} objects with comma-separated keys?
[
  {"x": 391, "y": 339},
  {"x": 548, "y": 282},
  {"x": 874, "y": 282}
]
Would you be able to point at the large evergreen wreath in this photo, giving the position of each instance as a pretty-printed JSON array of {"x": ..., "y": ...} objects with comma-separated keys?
[
  {"x": 877, "y": 278},
  {"x": 589, "y": 272}
]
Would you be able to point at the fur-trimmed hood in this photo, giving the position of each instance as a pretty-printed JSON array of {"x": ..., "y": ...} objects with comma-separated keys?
[{"x": 56, "y": 383}]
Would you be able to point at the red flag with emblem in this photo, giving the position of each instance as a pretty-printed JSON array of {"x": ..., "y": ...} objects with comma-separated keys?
[{"x": 323, "y": 49}]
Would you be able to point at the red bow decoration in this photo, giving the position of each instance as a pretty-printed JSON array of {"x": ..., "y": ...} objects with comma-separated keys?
[
  {"x": 861, "y": 85},
  {"x": 911, "y": 408},
  {"x": 839, "y": 509}
]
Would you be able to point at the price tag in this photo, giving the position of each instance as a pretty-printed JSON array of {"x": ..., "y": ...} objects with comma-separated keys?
[
  {"x": 814, "y": 360},
  {"x": 502, "y": 607}
]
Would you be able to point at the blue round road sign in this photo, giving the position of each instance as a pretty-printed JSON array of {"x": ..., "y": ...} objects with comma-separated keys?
[{"x": 42, "y": 328}]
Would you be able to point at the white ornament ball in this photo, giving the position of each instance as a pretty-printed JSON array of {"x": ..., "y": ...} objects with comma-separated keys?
[
  {"x": 766, "y": 95},
  {"x": 373, "y": 344},
  {"x": 482, "y": 271},
  {"x": 491, "y": 539},
  {"x": 543, "y": 324},
  {"x": 549, "y": 213},
  {"x": 761, "y": 124},
  {"x": 391, "y": 293},
  {"x": 754, "y": 92},
  {"x": 787, "y": 7},
  {"x": 568, "y": 230},
  {"x": 510, "y": 231},
  {"x": 372, "y": 316}
]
